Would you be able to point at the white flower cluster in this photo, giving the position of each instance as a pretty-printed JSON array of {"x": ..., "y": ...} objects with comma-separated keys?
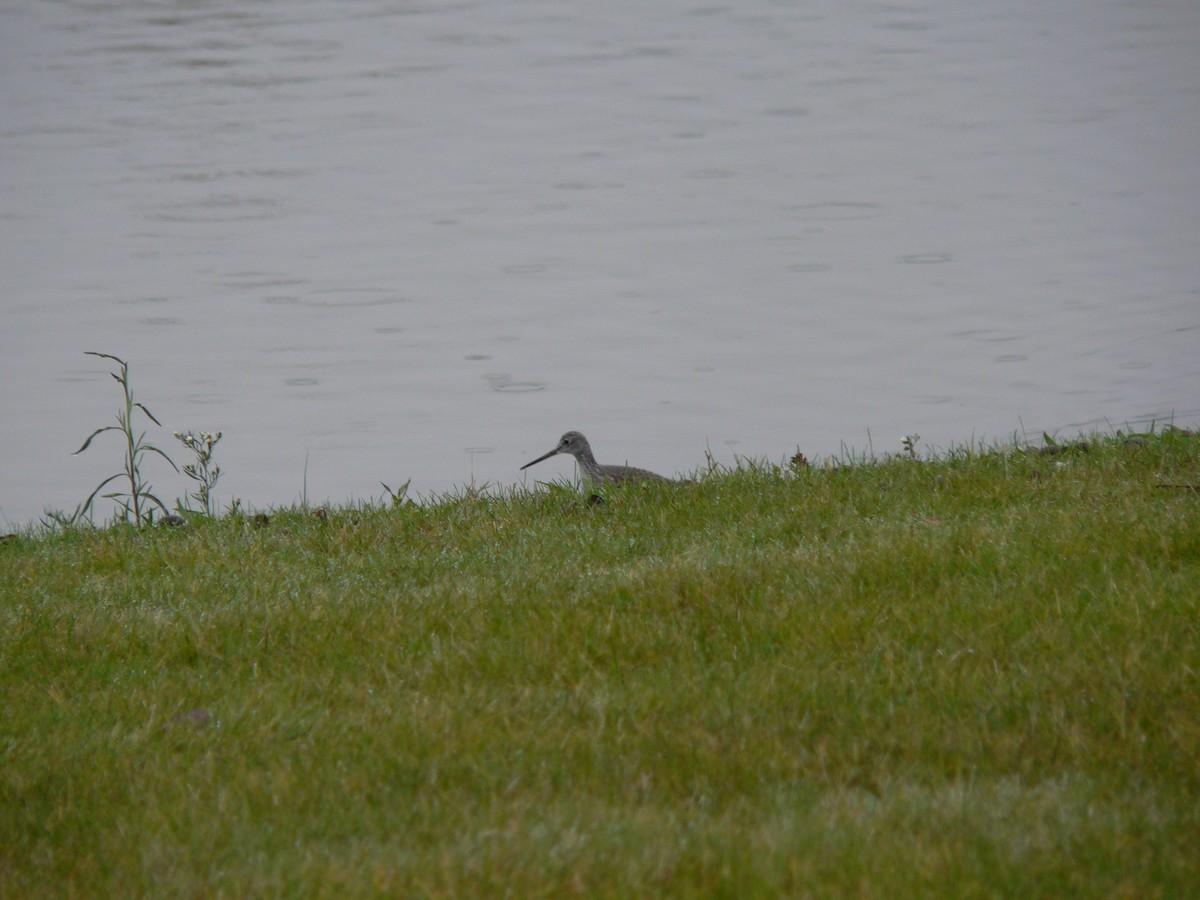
[
  {"x": 202, "y": 471},
  {"x": 205, "y": 439}
]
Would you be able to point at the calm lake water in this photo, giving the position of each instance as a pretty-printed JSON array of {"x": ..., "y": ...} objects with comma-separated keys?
[{"x": 421, "y": 240}]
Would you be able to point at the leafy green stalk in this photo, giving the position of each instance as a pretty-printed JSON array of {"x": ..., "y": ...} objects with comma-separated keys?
[{"x": 137, "y": 497}]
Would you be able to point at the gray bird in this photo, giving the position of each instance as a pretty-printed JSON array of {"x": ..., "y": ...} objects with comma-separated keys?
[{"x": 576, "y": 444}]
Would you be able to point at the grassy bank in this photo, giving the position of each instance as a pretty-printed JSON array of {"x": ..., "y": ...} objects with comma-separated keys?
[{"x": 970, "y": 676}]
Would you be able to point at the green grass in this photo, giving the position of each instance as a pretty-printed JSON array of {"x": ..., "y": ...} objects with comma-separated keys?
[{"x": 973, "y": 676}]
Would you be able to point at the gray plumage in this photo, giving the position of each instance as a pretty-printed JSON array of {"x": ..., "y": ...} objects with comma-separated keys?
[{"x": 576, "y": 444}]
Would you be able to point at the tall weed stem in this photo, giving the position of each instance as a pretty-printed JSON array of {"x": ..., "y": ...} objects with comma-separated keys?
[{"x": 135, "y": 501}]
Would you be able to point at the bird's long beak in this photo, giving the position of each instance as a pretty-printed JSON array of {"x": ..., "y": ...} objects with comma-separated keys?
[{"x": 540, "y": 458}]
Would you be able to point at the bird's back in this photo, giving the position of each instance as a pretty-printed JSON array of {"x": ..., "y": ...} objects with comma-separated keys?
[{"x": 625, "y": 474}]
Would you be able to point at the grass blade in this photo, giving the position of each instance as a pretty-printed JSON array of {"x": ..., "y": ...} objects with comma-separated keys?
[
  {"x": 142, "y": 407},
  {"x": 115, "y": 359},
  {"x": 87, "y": 504},
  {"x": 93, "y": 434},
  {"x": 161, "y": 505},
  {"x": 150, "y": 448}
]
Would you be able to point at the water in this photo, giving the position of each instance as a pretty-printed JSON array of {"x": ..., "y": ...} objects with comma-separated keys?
[{"x": 400, "y": 240}]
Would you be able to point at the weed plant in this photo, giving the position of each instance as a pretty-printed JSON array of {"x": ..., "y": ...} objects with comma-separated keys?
[
  {"x": 135, "y": 501},
  {"x": 202, "y": 470},
  {"x": 969, "y": 676}
]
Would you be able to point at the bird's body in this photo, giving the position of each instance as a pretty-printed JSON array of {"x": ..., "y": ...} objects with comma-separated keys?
[{"x": 576, "y": 444}]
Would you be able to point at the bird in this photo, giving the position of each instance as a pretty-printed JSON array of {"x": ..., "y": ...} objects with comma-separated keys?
[{"x": 577, "y": 445}]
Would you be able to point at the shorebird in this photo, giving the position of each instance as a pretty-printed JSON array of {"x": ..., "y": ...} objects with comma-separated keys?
[{"x": 576, "y": 444}]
